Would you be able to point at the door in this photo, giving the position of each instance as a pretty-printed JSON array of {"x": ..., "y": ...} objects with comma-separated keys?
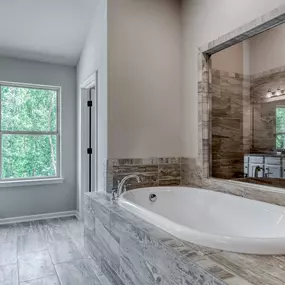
[
  {"x": 91, "y": 125},
  {"x": 87, "y": 140}
]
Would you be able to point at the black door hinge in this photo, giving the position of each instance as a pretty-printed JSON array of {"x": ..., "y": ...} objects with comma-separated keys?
[
  {"x": 89, "y": 150},
  {"x": 89, "y": 103}
]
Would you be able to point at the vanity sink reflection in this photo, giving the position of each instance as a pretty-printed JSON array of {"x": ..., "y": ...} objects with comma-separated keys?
[{"x": 264, "y": 166}]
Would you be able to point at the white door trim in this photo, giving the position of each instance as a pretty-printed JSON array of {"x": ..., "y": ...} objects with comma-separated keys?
[{"x": 91, "y": 81}]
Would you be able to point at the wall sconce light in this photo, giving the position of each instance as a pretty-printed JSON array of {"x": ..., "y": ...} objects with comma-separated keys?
[
  {"x": 269, "y": 94},
  {"x": 278, "y": 92}
]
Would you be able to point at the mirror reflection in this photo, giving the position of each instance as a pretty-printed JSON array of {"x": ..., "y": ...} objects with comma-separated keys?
[{"x": 248, "y": 110}]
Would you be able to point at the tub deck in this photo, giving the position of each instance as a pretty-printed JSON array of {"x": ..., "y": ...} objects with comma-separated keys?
[{"x": 182, "y": 260}]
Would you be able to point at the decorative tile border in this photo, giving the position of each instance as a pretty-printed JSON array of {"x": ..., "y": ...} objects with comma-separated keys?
[
  {"x": 152, "y": 171},
  {"x": 202, "y": 164}
]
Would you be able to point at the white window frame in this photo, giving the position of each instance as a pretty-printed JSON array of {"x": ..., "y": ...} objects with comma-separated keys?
[
  {"x": 43, "y": 179},
  {"x": 280, "y": 133}
]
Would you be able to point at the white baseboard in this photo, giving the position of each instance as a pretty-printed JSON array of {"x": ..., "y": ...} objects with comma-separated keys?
[
  {"x": 38, "y": 217},
  {"x": 77, "y": 215}
]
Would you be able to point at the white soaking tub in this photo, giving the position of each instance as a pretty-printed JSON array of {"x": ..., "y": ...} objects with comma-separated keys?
[{"x": 211, "y": 219}]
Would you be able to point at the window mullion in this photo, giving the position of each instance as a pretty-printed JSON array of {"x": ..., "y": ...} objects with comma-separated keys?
[
  {"x": 58, "y": 136},
  {"x": 0, "y": 132},
  {"x": 31, "y": 133}
]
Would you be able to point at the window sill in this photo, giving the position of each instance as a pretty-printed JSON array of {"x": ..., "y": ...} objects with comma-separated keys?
[{"x": 32, "y": 182}]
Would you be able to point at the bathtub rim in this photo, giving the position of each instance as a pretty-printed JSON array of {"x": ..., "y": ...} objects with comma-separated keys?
[{"x": 122, "y": 201}]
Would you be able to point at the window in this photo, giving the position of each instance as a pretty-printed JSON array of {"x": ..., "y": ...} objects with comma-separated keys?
[
  {"x": 280, "y": 127},
  {"x": 29, "y": 132}
]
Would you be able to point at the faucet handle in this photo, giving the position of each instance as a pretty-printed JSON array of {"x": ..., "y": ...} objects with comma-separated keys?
[{"x": 114, "y": 194}]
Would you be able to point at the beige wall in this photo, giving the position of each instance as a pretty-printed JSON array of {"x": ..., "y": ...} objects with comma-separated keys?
[
  {"x": 230, "y": 59},
  {"x": 267, "y": 50},
  {"x": 144, "y": 54},
  {"x": 204, "y": 21}
]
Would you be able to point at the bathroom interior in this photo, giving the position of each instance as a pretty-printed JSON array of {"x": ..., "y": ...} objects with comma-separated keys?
[
  {"x": 248, "y": 110},
  {"x": 142, "y": 142}
]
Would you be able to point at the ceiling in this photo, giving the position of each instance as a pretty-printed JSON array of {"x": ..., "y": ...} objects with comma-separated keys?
[{"x": 45, "y": 30}]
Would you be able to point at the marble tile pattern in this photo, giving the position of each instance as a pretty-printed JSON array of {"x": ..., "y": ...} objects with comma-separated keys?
[
  {"x": 143, "y": 254},
  {"x": 47, "y": 252},
  {"x": 229, "y": 120},
  {"x": 153, "y": 172},
  {"x": 35, "y": 265}
]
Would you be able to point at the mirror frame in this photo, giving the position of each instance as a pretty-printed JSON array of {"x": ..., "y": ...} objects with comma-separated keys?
[{"x": 248, "y": 190}]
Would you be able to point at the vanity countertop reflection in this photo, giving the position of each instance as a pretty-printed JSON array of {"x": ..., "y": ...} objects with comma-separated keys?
[
  {"x": 265, "y": 167},
  {"x": 275, "y": 182},
  {"x": 273, "y": 154}
]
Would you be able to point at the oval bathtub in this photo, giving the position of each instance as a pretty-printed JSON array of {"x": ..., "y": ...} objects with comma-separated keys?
[{"x": 211, "y": 219}]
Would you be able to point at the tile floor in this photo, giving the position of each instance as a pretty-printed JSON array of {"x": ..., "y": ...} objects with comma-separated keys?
[{"x": 46, "y": 252}]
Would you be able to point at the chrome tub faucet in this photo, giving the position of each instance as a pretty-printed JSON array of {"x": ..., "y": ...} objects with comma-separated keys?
[{"x": 116, "y": 193}]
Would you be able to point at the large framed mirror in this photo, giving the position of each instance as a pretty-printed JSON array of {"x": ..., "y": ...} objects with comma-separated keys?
[
  {"x": 248, "y": 110},
  {"x": 242, "y": 105}
]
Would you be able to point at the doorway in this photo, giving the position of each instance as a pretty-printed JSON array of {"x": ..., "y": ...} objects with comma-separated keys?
[{"x": 87, "y": 166}]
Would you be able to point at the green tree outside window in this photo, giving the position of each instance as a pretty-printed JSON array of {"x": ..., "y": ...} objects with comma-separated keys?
[
  {"x": 28, "y": 132},
  {"x": 280, "y": 127}
]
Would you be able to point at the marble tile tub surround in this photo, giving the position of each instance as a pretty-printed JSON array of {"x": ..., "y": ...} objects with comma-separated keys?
[
  {"x": 164, "y": 171},
  {"x": 203, "y": 162},
  {"x": 130, "y": 250}
]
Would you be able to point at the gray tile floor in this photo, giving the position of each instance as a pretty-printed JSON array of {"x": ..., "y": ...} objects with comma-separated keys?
[{"x": 46, "y": 252}]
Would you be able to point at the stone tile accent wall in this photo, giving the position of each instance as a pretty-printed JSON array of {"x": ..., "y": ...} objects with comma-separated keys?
[
  {"x": 231, "y": 123},
  {"x": 152, "y": 171},
  {"x": 191, "y": 172},
  {"x": 131, "y": 251}
]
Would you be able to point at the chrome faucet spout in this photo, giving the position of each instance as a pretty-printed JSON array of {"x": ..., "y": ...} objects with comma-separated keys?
[{"x": 122, "y": 187}]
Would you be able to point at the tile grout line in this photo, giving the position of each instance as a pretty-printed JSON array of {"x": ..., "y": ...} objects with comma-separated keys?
[
  {"x": 18, "y": 270},
  {"x": 17, "y": 255},
  {"x": 52, "y": 259},
  {"x": 54, "y": 267},
  {"x": 71, "y": 229}
]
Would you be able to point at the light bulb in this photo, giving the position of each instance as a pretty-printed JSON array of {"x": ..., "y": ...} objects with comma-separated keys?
[{"x": 269, "y": 94}]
